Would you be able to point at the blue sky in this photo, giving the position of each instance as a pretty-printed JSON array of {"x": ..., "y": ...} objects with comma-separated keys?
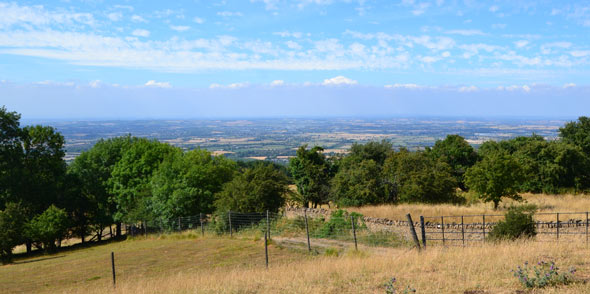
[{"x": 193, "y": 59}]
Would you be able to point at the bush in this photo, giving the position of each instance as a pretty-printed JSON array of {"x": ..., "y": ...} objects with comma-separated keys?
[
  {"x": 518, "y": 223},
  {"x": 546, "y": 274},
  {"x": 48, "y": 227},
  {"x": 339, "y": 224}
]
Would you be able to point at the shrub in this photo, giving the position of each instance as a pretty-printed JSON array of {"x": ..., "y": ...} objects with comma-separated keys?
[
  {"x": 339, "y": 224},
  {"x": 543, "y": 274},
  {"x": 12, "y": 220},
  {"x": 518, "y": 223},
  {"x": 48, "y": 227}
]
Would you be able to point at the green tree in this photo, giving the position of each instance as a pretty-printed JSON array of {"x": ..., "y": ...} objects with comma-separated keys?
[
  {"x": 577, "y": 133},
  {"x": 312, "y": 173},
  {"x": 11, "y": 154},
  {"x": 254, "y": 190},
  {"x": 93, "y": 168},
  {"x": 358, "y": 185},
  {"x": 131, "y": 176},
  {"x": 359, "y": 178},
  {"x": 457, "y": 153},
  {"x": 49, "y": 227},
  {"x": 185, "y": 183},
  {"x": 417, "y": 177},
  {"x": 497, "y": 175},
  {"x": 12, "y": 220}
]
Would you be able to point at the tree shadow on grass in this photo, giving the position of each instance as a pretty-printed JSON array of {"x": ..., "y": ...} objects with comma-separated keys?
[
  {"x": 22, "y": 258},
  {"x": 38, "y": 259}
]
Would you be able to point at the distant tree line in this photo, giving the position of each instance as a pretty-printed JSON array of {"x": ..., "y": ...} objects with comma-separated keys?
[
  {"x": 375, "y": 173},
  {"x": 129, "y": 180}
]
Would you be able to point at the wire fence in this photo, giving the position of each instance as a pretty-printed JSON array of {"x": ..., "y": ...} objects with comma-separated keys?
[
  {"x": 342, "y": 230},
  {"x": 466, "y": 229},
  {"x": 319, "y": 234}
]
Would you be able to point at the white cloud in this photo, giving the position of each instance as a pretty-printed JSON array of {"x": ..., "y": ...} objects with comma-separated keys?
[
  {"x": 11, "y": 14},
  {"x": 404, "y": 86},
  {"x": 180, "y": 28},
  {"x": 446, "y": 54},
  {"x": 293, "y": 45},
  {"x": 95, "y": 83},
  {"x": 339, "y": 80},
  {"x": 137, "y": 18},
  {"x": 499, "y": 26},
  {"x": 199, "y": 20},
  {"x": 229, "y": 86},
  {"x": 420, "y": 8},
  {"x": 569, "y": 85},
  {"x": 494, "y": 8},
  {"x": 521, "y": 43},
  {"x": 229, "y": 13},
  {"x": 468, "y": 89},
  {"x": 141, "y": 33},
  {"x": 115, "y": 16},
  {"x": 277, "y": 83},
  {"x": 524, "y": 88},
  {"x": 152, "y": 83}
]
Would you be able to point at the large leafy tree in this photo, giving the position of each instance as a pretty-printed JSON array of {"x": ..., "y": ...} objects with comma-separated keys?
[
  {"x": 131, "y": 176},
  {"x": 457, "y": 153},
  {"x": 185, "y": 183},
  {"x": 312, "y": 173},
  {"x": 497, "y": 175},
  {"x": 417, "y": 177},
  {"x": 254, "y": 190},
  {"x": 359, "y": 178},
  {"x": 358, "y": 186},
  {"x": 93, "y": 170},
  {"x": 11, "y": 154},
  {"x": 577, "y": 133}
]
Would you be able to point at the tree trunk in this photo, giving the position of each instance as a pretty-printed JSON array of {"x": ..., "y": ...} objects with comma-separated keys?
[
  {"x": 496, "y": 202},
  {"x": 29, "y": 246},
  {"x": 118, "y": 229},
  {"x": 111, "y": 231}
]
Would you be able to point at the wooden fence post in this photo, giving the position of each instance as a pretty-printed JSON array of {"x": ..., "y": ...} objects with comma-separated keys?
[
  {"x": 413, "y": 231},
  {"x": 484, "y": 227},
  {"x": 462, "y": 230},
  {"x": 354, "y": 232},
  {"x": 201, "y": 221},
  {"x": 423, "y": 231},
  {"x": 230, "y": 230},
  {"x": 267, "y": 225},
  {"x": 442, "y": 227},
  {"x": 113, "y": 268},
  {"x": 266, "y": 248},
  {"x": 307, "y": 231},
  {"x": 586, "y": 228},
  {"x": 557, "y": 225}
]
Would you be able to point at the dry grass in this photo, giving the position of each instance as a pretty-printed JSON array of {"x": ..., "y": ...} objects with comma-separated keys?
[
  {"x": 222, "y": 265},
  {"x": 545, "y": 203},
  {"x": 437, "y": 270}
]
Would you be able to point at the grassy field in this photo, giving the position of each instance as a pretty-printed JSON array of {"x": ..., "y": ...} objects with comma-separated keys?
[{"x": 190, "y": 264}]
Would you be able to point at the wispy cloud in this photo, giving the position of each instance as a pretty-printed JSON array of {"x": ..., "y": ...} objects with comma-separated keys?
[
  {"x": 339, "y": 80},
  {"x": 152, "y": 83},
  {"x": 141, "y": 33}
]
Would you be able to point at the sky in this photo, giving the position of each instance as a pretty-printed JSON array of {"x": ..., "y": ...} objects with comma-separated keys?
[{"x": 294, "y": 58}]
